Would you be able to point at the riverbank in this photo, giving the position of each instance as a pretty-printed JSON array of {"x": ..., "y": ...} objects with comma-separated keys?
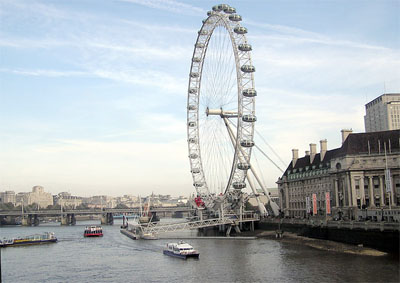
[
  {"x": 325, "y": 245},
  {"x": 378, "y": 236}
]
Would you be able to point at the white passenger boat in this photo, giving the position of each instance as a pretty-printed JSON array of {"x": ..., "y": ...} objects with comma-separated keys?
[{"x": 181, "y": 250}]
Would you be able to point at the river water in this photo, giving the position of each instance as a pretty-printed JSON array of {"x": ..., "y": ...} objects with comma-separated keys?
[{"x": 117, "y": 258}]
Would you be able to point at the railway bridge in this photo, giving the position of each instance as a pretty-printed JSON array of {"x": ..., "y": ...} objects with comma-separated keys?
[{"x": 67, "y": 216}]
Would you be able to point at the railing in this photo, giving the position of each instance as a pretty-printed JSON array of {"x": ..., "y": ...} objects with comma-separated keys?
[
  {"x": 172, "y": 227},
  {"x": 93, "y": 211},
  {"x": 341, "y": 224}
]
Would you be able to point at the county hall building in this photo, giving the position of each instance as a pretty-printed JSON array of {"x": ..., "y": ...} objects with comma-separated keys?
[{"x": 359, "y": 179}]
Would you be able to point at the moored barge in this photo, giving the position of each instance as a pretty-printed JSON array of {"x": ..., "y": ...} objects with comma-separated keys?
[{"x": 47, "y": 237}]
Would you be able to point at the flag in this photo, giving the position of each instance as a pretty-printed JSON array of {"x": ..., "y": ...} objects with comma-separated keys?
[{"x": 328, "y": 203}]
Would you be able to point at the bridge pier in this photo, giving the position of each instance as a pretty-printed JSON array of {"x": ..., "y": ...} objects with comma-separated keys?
[
  {"x": 29, "y": 220},
  {"x": 107, "y": 219},
  {"x": 68, "y": 219},
  {"x": 26, "y": 220}
]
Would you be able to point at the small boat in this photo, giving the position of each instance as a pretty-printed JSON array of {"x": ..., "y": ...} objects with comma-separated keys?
[
  {"x": 93, "y": 231},
  {"x": 181, "y": 250},
  {"x": 47, "y": 237}
]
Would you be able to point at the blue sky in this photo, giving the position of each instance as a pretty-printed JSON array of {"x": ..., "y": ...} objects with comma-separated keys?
[{"x": 93, "y": 93}]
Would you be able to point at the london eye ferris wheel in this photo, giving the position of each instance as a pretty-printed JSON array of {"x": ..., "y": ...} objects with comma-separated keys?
[{"x": 221, "y": 105}]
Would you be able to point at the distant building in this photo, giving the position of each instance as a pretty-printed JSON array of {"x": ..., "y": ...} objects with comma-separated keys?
[
  {"x": 353, "y": 175},
  {"x": 66, "y": 200},
  {"x": 38, "y": 196},
  {"x": 101, "y": 202},
  {"x": 7, "y": 197},
  {"x": 383, "y": 113}
]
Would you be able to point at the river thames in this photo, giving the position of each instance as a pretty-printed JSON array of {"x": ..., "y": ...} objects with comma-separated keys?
[{"x": 117, "y": 258}]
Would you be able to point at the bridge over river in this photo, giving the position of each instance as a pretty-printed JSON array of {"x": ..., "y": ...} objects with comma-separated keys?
[{"x": 67, "y": 216}]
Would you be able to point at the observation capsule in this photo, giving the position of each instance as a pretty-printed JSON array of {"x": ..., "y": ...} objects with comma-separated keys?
[
  {"x": 192, "y": 124},
  {"x": 249, "y": 92},
  {"x": 193, "y": 90},
  {"x": 245, "y": 47},
  {"x": 196, "y": 59},
  {"x": 196, "y": 170},
  {"x": 209, "y": 13},
  {"x": 249, "y": 118},
  {"x": 194, "y": 75},
  {"x": 198, "y": 184},
  {"x": 203, "y": 32},
  {"x": 216, "y": 8},
  {"x": 247, "y": 143},
  {"x": 243, "y": 166},
  {"x": 240, "y": 30},
  {"x": 239, "y": 185},
  {"x": 199, "y": 45},
  {"x": 192, "y": 140},
  {"x": 235, "y": 18},
  {"x": 193, "y": 156},
  {"x": 230, "y": 10},
  {"x": 248, "y": 68},
  {"x": 192, "y": 107}
]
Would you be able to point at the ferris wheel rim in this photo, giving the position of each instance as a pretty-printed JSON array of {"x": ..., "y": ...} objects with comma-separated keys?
[{"x": 245, "y": 98}]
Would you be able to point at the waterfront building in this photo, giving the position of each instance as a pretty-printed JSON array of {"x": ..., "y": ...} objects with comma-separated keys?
[
  {"x": 101, "y": 202},
  {"x": 66, "y": 200},
  {"x": 383, "y": 113},
  {"x": 7, "y": 197},
  {"x": 38, "y": 196},
  {"x": 354, "y": 175}
]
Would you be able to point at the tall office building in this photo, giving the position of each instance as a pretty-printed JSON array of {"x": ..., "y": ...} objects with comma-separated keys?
[{"x": 383, "y": 113}]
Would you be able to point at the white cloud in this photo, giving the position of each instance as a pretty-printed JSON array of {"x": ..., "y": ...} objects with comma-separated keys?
[
  {"x": 46, "y": 73},
  {"x": 169, "y": 5}
]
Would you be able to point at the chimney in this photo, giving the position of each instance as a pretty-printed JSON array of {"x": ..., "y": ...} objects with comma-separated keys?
[
  {"x": 345, "y": 134},
  {"x": 324, "y": 146},
  {"x": 295, "y": 153},
  {"x": 313, "y": 151},
  {"x": 307, "y": 152}
]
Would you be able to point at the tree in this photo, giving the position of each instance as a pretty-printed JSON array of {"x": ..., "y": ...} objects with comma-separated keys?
[
  {"x": 82, "y": 206},
  {"x": 6, "y": 206},
  {"x": 121, "y": 206}
]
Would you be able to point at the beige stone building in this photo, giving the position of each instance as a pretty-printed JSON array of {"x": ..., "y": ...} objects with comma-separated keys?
[
  {"x": 38, "y": 196},
  {"x": 7, "y": 197},
  {"x": 353, "y": 175}
]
